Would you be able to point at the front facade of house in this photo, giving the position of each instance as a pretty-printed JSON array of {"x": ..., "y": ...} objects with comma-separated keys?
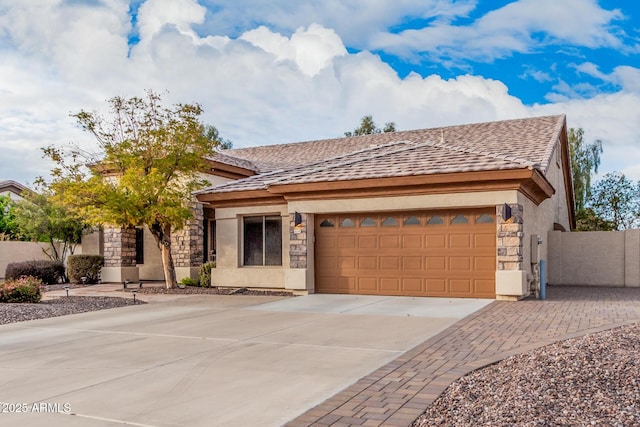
[{"x": 460, "y": 211}]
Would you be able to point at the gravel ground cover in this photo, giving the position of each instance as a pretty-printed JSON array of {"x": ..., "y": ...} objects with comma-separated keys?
[
  {"x": 10, "y": 313},
  {"x": 190, "y": 290},
  {"x": 589, "y": 381}
]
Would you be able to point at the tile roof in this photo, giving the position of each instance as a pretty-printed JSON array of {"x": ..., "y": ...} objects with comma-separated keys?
[{"x": 510, "y": 144}]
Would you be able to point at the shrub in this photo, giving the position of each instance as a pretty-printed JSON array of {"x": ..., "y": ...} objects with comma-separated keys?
[
  {"x": 188, "y": 281},
  {"x": 79, "y": 266},
  {"x": 49, "y": 272},
  {"x": 24, "y": 289},
  {"x": 205, "y": 274}
]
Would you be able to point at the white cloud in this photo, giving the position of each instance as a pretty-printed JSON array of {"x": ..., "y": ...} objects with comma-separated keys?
[
  {"x": 310, "y": 49},
  {"x": 260, "y": 87},
  {"x": 153, "y": 15},
  {"x": 512, "y": 28},
  {"x": 354, "y": 20}
]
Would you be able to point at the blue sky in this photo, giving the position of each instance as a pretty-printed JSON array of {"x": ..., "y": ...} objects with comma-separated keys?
[{"x": 279, "y": 71}]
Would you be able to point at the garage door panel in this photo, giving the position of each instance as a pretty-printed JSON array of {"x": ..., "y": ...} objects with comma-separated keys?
[
  {"x": 329, "y": 283},
  {"x": 368, "y": 263},
  {"x": 425, "y": 257},
  {"x": 367, "y": 242},
  {"x": 435, "y": 285},
  {"x": 461, "y": 286},
  {"x": 389, "y": 242},
  {"x": 411, "y": 263},
  {"x": 484, "y": 263},
  {"x": 347, "y": 263},
  {"x": 391, "y": 285},
  {"x": 412, "y": 285},
  {"x": 436, "y": 263},
  {"x": 459, "y": 263},
  {"x": 389, "y": 263},
  {"x": 346, "y": 242},
  {"x": 412, "y": 242},
  {"x": 435, "y": 241},
  {"x": 484, "y": 287},
  {"x": 486, "y": 241},
  {"x": 367, "y": 283},
  {"x": 327, "y": 263},
  {"x": 346, "y": 284},
  {"x": 459, "y": 241},
  {"x": 326, "y": 243}
]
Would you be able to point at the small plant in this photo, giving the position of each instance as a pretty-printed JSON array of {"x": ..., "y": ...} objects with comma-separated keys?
[
  {"x": 88, "y": 266},
  {"x": 23, "y": 290},
  {"x": 205, "y": 274},
  {"x": 48, "y": 272},
  {"x": 188, "y": 281}
]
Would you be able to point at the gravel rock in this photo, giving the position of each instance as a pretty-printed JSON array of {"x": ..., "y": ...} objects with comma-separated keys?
[
  {"x": 190, "y": 290},
  {"x": 10, "y": 313},
  {"x": 593, "y": 380}
]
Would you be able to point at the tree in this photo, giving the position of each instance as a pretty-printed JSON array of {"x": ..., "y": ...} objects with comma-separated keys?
[
  {"x": 8, "y": 227},
  {"x": 587, "y": 220},
  {"x": 616, "y": 199},
  {"x": 585, "y": 159},
  {"x": 40, "y": 218},
  {"x": 152, "y": 157},
  {"x": 212, "y": 134},
  {"x": 368, "y": 127}
]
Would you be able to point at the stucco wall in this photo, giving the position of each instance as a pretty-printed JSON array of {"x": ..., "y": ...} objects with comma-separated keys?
[
  {"x": 229, "y": 270},
  {"x": 595, "y": 258},
  {"x": 23, "y": 251},
  {"x": 539, "y": 220}
]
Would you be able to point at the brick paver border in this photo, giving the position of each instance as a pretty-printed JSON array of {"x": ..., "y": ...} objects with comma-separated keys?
[{"x": 399, "y": 392}]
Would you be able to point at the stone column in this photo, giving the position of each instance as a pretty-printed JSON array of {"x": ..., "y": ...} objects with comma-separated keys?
[
  {"x": 510, "y": 238},
  {"x": 299, "y": 275},
  {"x": 511, "y": 279},
  {"x": 187, "y": 245},
  {"x": 119, "y": 255},
  {"x": 298, "y": 242}
]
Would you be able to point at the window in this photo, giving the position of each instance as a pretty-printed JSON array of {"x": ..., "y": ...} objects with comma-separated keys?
[
  {"x": 389, "y": 222},
  {"x": 435, "y": 220},
  {"x": 139, "y": 245},
  {"x": 327, "y": 223},
  {"x": 209, "y": 226},
  {"x": 459, "y": 219},
  {"x": 484, "y": 219},
  {"x": 262, "y": 240},
  {"x": 367, "y": 222},
  {"x": 347, "y": 222},
  {"x": 412, "y": 220}
]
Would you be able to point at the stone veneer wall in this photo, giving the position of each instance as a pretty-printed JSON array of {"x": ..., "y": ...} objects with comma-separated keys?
[
  {"x": 188, "y": 244},
  {"x": 510, "y": 236},
  {"x": 298, "y": 242},
  {"x": 119, "y": 247}
]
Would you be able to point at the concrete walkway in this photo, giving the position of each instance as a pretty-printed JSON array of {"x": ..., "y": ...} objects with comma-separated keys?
[
  {"x": 206, "y": 360},
  {"x": 396, "y": 394}
]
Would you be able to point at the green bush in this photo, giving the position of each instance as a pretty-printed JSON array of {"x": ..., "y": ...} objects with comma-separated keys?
[
  {"x": 205, "y": 274},
  {"x": 88, "y": 266},
  {"x": 188, "y": 281},
  {"x": 49, "y": 272},
  {"x": 24, "y": 289}
]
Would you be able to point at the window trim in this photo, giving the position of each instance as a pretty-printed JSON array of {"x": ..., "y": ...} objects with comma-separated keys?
[{"x": 264, "y": 241}]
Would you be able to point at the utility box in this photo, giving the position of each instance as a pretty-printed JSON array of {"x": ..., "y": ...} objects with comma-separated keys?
[{"x": 536, "y": 241}]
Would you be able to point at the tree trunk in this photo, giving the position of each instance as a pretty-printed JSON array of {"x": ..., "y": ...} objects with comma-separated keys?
[{"x": 162, "y": 235}]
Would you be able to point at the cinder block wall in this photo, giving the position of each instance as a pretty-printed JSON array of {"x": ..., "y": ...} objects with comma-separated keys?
[{"x": 594, "y": 258}]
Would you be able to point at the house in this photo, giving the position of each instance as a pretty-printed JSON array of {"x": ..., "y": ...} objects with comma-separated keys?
[
  {"x": 457, "y": 211},
  {"x": 12, "y": 189}
]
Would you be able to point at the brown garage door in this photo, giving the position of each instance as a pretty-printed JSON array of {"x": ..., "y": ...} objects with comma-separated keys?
[{"x": 436, "y": 253}]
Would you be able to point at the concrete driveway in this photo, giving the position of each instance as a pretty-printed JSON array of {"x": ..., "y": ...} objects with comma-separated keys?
[{"x": 206, "y": 360}]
